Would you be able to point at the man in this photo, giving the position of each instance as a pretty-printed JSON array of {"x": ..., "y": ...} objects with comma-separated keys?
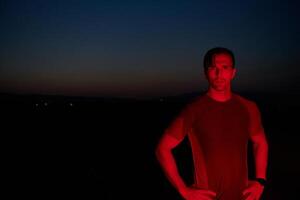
[{"x": 219, "y": 125}]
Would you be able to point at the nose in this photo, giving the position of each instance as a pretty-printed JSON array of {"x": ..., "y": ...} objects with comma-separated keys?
[{"x": 218, "y": 72}]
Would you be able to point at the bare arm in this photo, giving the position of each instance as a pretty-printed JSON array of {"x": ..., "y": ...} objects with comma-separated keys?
[
  {"x": 260, "y": 151},
  {"x": 166, "y": 159},
  {"x": 260, "y": 144}
]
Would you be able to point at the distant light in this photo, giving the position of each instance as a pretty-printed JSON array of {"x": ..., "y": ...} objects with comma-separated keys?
[
  {"x": 45, "y": 104},
  {"x": 71, "y": 104},
  {"x": 161, "y": 99},
  {"x": 36, "y": 104}
]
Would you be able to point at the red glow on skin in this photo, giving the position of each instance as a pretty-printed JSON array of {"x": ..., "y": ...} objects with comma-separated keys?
[
  {"x": 219, "y": 76},
  {"x": 254, "y": 191}
]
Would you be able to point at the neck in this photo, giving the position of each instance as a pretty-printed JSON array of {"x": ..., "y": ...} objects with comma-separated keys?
[{"x": 219, "y": 95}]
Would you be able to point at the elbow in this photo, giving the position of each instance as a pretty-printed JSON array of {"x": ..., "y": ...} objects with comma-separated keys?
[
  {"x": 165, "y": 146},
  {"x": 158, "y": 151},
  {"x": 262, "y": 144},
  {"x": 161, "y": 151},
  {"x": 265, "y": 144}
]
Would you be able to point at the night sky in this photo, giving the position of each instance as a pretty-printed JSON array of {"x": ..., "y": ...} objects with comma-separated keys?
[{"x": 144, "y": 48}]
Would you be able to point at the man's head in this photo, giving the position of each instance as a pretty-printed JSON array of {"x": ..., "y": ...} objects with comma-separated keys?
[{"x": 219, "y": 68}]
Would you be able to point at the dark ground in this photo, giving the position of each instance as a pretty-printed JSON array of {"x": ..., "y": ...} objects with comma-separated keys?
[{"x": 101, "y": 148}]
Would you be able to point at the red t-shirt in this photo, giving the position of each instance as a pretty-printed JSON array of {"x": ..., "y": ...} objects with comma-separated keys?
[{"x": 218, "y": 133}]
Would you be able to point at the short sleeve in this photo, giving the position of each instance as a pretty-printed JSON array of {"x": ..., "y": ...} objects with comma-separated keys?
[
  {"x": 181, "y": 124},
  {"x": 255, "y": 124}
]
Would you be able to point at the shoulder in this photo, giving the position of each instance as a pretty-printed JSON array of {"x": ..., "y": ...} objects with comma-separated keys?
[
  {"x": 245, "y": 101},
  {"x": 197, "y": 101},
  {"x": 193, "y": 104},
  {"x": 250, "y": 105}
]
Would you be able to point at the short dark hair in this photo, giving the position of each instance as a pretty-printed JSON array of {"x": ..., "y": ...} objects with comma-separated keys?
[{"x": 212, "y": 52}]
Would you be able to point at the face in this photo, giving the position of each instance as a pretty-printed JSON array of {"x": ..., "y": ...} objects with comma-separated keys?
[{"x": 221, "y": 72}]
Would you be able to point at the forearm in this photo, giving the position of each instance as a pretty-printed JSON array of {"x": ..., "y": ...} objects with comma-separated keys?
[
  {"x": 168, "y": 164},
  {"x": 261, "y": 159}
]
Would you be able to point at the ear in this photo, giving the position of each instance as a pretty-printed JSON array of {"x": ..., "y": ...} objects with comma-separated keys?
[{"x": 233, "y": 73}]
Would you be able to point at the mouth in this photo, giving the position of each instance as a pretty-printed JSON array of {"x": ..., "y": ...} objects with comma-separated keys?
[{"x": 219, "y": 81}]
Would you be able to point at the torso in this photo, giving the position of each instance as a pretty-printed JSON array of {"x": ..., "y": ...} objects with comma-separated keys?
[{"x": 219, "y": 138}]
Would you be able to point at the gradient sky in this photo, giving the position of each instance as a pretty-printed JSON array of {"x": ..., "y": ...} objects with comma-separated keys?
[{"x": 144, "y": 48}]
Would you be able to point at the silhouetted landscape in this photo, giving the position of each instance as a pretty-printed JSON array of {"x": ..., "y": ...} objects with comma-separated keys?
[{"x": 103, "y": 148}]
